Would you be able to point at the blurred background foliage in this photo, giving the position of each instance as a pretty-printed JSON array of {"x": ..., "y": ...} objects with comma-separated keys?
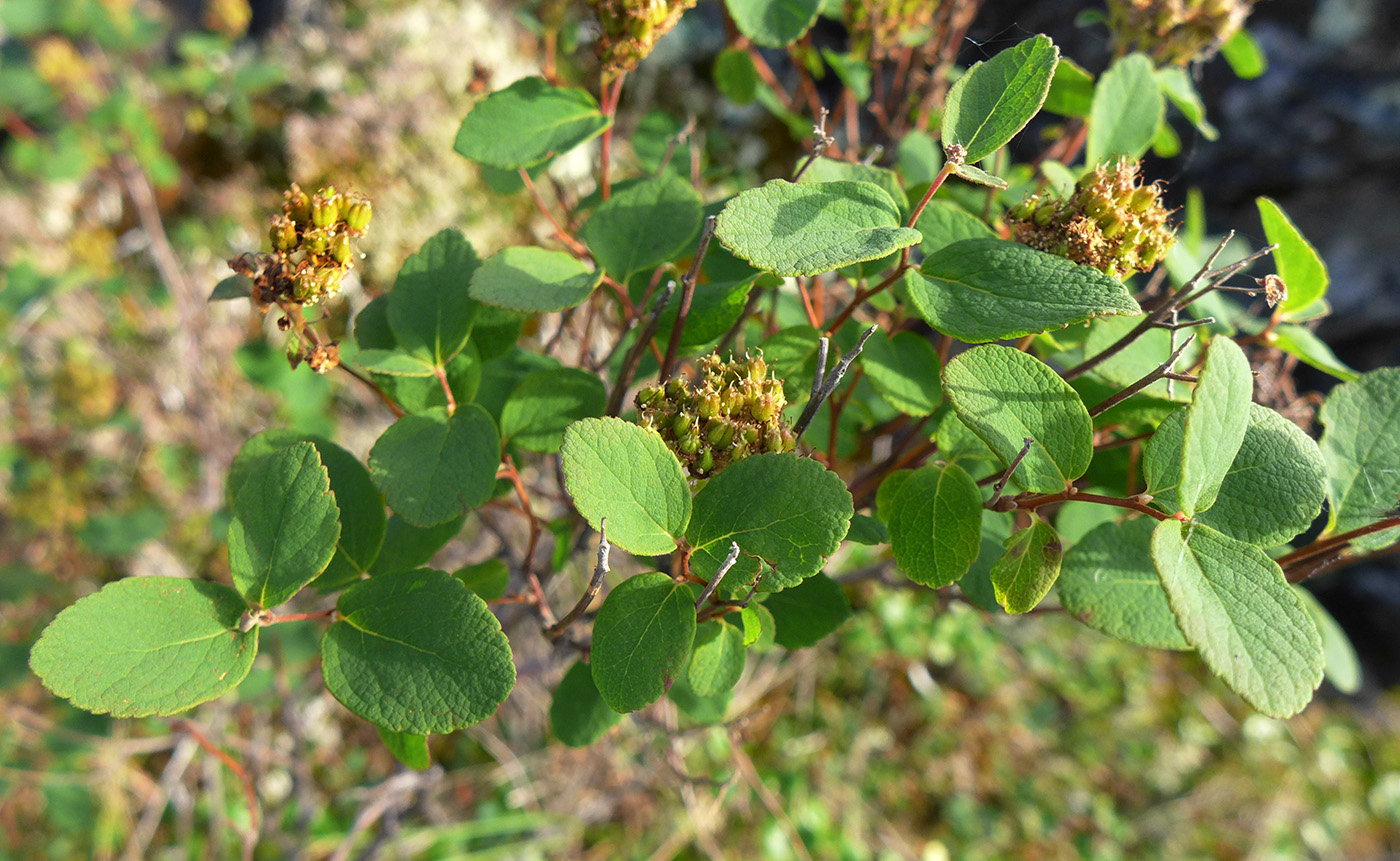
[{"x": 143, "y": 144}]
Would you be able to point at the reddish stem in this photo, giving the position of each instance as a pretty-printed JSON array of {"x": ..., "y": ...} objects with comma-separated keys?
[{"x": 250, "y": 840}]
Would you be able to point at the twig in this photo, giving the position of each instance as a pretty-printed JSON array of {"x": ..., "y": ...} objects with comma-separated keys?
[
  {"x": 749, "y": 305},
  {"x": 823, "y": 140},
  {"x": 1156, "y": 374},
  {"x": 527, "y": 565},
  {"x": 828, "y": 381},
  {"x": 634, "y": 355},
  {"x": 441, "y": 373},
  {"x": 576, "y": 248},
  {"x": 687, "y": 293},
  {"x": 170, "y": 776},
  {"x": 750, "y": 774},
  {"x": 1010, "y": 470},
  {"x": 600, "y": 571},
  {"x": 719, "y": 575},
  {"x": 250, "y": 838},
  {"x": 1319, "y": 547}
]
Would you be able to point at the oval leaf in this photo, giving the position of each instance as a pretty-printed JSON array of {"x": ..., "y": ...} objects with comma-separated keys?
[
  {"x": 773, "y": 23},
  {"x": 980, "y": 290},
  {"x": 995, "y": 99},
  {"x": 1216, "y": 422},
  {"x": 808, "y": 612},
  {"x": 641, "y": 640},
  {"x": 807, "y": 229},
  {"x": 651, "y": 222},
  {"x": 533, "y": 280},
  {"x": 1029, "y": 567},
  {"x": 146, "y": 646},
  {"x": 936, "y": 525},
  {"x": 717, "y": 659},
  {"x": 1006, "y": 396},
  {"x": 547, "y": 402},
  {"x": 789, "y": 511},
  {"x": 1126, "y": 112},
  {"x": 285, "y": 526},
  {"x": 526, "y": 123},
  {"x": 432, "y": 466},
  {"x": 430, "y": 309},
  {"x": 617, "y": 470},
  {"x": 577, "y": 712},
  {"x": 943, "y": 223},
  {"x": 1233, "y": 605},
  {"x": 1107, "y": 582},
  {"x": 1361, "y": 447},
  {"x": 904, "y": 370},
  {"x": 1297, "y": 262},
  {"x": 417, "y": 652},
  {"x": 1272, "y": 491}
]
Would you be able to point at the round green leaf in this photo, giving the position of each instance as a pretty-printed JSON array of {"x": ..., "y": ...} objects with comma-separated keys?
[
  {"x": 808, "y": 612},
  {"x": 430, "y": 311},
  {"x": 432, "y": 466},
  {"x": 526, "y": 123},
  {"x": 1361, "y": 447},
  {"x": 1126, "y": 112},
  {"x": 1107, "y": 582},
  {"x": 717, "y": 659},
  {"x": 641, "y": 640},
  {"x": 904, "y": 370},
  {"x": 646, "y": 224},
  {"x": 1029, "y": 567},
  {"x": 806, "y": 229},
  {"x": 789, "y": 511},
  {"x": 995, "y": 99},
  {"x": 1234, "y": 606},
  {"x": 773, "y": 23},
  {"x": 825, "y": 169},
  {"x": 1272, "y": 491},
  {"x": 146, "y": 646},
  {"x": 1216, "y": 422},
  {"x": 980, "y": 290},
  {"x": 417, "y": 652},
  {"x": 936, "y": 524},
  {"x": 713, "y": 309},
  {"x": 943, "y": 223},
  {"x": 285, "y": 525},
  {"x": 614, "y": 469},
  {"x": 1311, "y": 350},
  {"x": 1006, "y": 396},
  {"x": 1071, "y": 90},
  {"x": 577, "y": 711},
  {"x": 546, "y": 403},
  {"x": 362, "y": 518},
  {"x": 533, "y": 280},
  {"x": 735, "y": 76}
]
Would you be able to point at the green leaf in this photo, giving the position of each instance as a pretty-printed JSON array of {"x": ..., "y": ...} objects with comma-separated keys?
[
  {"x": 641, "y": 640},
  {"x": 1244, "y": 55},
  {"x": 759, "y": 626},
  {"x": 1107, "y": 582},
  {"x": 1006, "y": 396},
  {"x": 789, "y": 511},
  {"x": 735, "y": 76},
  {"x": 1340, "y": 663},
  {"x": 904, "y": 370},
  {"x": 1311, "y": 350},
  {"x": 943, "y": 223},
  {"x": 834, "y": 170},
  {"x": 853, "y": 72},
  {"x": 980, "y": 290},
  {"x": 408, "y": 748},
  {"x": 773, "y": 23},
  {"x": 977, "y": 175},
  {"x": 867, "y": 530},
  {"x": 701, "y": 710},
  {"x": 232, "y": 287},
  {"x": 407, "y": 546},
  {"x": 808, "y": 612},
  {"x": 936, "y": 525},
  {"x": 394, "y": 363},
  {"x": 713, "y": 309},
  {"x": 1272, "y": 491},
  {"x": 528, "y": 122},
  {"x": 717, "y": 659},
  {"x": 146, "y": 646},
  {"x": 652, "y": 222},
  {"x": 432, "y": 466},
  {"x": 1127, "y": 110},
  {"x": 995, "y": 99},
  {"x": 615, "y": 469},
  {"x": 417, "y": 652},
  {"x": 547, "y": 402},
  {"x": 487, "y": 579},
  {"x": 430, "y": 311},
  {"x": 1233, "y": 605},
  {"x": 285, "y": 526},
  {"x": 374, "y": 337},
  {"x": 1071, "y": 90},
  {"x": 976, "y": 584},
  {"x": 362, "y": 519},
  {"x": 1361, "y": 447},
  {"x": 577, "y": 712},
  {"x": 1176, "y": 84},
  {"x": 919, "y": 159},
  {"x": 1297, "y": 262},
  {"x": 533, "y": 280},
  {"x": 1028, "y": 568},
  {"x": 805, "y": 229},
  {"x": 1216, "y": 422}
]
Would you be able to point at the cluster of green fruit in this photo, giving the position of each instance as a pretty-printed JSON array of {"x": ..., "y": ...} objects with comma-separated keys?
[
  {"x": 630, "y": 28},
  {"x": 736, "y": 410},
  {"x": 1176, "y": 32},
  {"x": 1112, "y": 222},
  {"x": 312, "y": 247}
]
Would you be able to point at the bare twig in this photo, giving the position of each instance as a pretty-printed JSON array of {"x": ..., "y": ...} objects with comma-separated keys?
[
  {"x": 387, "y": 794},
  {"x": 634, "y": 355},
  {"x": 1010, "y": 470},
  {"x": 250, "y": 837},
  {"x": 687, "y": 293},
  {"x": 1156, "y": 374},
  {"x": 823, "y": 140},
  {"x": 600, "y": 571},
  {"x": 719, "y": 575},
  {"x": 828, "y": 381}
]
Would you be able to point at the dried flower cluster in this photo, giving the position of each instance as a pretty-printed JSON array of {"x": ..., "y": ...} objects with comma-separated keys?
[
  {"x": 735, "y": 411},
  {"x": 312, "y": 247},
  {"x": 1112, "y": 222},
  {"x": 1176, "y": 32},
  {"x": 631, "y": 28}
]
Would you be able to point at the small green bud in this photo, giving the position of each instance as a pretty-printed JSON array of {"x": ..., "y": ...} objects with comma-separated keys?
[
  {"x": 773, "y": 441},
  {"x": 340, "y": 248},
  {"x": 680, "y": 424},
  {"x": 650, "y": 395},
  {"x": 283, "y": 233},
  {"x": 304, "y": 285},
  {"x": 357, "y": 214},
  {"x": 732, "y": 402},
  {"x": 1111, "y": 225},
  {"x": 749, "y": 435},
  {"x": 707, "y": 405},
  {"x": 763, "y": 408},
  {"x": 676, "y": 389},
  {"x": 316, "y": 241},
  {"x": 1142, "y": 199},
  {"x": 325, "y": 208},
  {"x": 1045, "y": 213},
  {"x": 689, "y": 443},
  {"x": 705, "y": 463},
  {"x": 757, "y": 369},
  {"x": 720, "y": 434},
  {"x": 298, "y": 205}
]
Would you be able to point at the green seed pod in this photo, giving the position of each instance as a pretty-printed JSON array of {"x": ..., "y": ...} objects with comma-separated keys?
[
  {"x": 677, "y": 390},
  {"x": 304, "y": 285},
  {"x": 298, "y": 204},
  {"x": 739, "y": 452},
  {"x": 757, "y": 369},
  {"x": 732, "y": 402},
  {"x": 707, "y": 406},
  {"x": 357, "y": 214},
  {"x": 749, "y": 435},
  {"x": 680, "y": 424},
  {"x": 763, "y": 408},
  {"x": 720, "y": 434},
  {"x": 325, "y": 208},
  {"x": 1095, "y": 205},
  {"x": 340, "y": 248},
  {"x": 283, "y": 233},
  {"x": 773, "y": 441},
  {"x": 650, "y": 395},
  {"x": 1111, "y": 225},
  {"x": 1023, "y": 210},
  {"x": 705, "y": 463},
  {"x": 316, "y": 241},
  {"x": 689, "y": 443},
  {"x": 1045, "y": 213},
  {"x": 330, "y": 279},
  {"x": 1142, "y": 199}
]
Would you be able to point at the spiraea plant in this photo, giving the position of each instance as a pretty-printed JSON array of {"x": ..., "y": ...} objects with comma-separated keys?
[{"x": 1019, "y": 384}]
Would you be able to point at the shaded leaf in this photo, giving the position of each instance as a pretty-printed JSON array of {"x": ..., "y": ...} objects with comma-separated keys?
[
  {"x": 773, "y": 23},
  {"x": 808, "y": 612},
  {"x": 430, "y": 310},
  {"x": 547, "y": 402},
  {"x": 936, "y": 524},
  {"x": 716, "y": 660},
  {"x": 1361, "y": 447},
  {"x": 532, "y": 280},
  {"x": 526, "y": 123},
  {"x": 1107, "y": 582},
  {"x": 432, "y": 466},
  {"x": 904, "y": 370},
  {"x": 577, "y": 712},
  {"x": 1126, "y": 112},
  {"x": 641, "y": 640},
  {"x": 646, "y": 224}
]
